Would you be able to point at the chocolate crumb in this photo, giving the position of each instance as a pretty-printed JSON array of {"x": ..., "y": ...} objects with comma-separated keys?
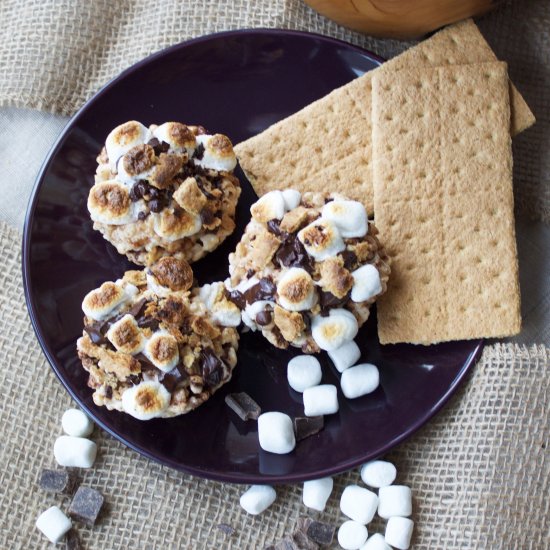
[
  {"x": 303, "y": 541},
  {"x": 243, "y": 405},
  {"x": 86, "y": 505},
  {"x": 307, "y": 426},
  {"x": 320, "y": 532},
  {"x": 72, "y": 540},
  {"x": 225, "y": 529},
  {"x": 199, "y": 152},
  {"x": 303, "y": 523},
  {"x": 58, "y": 481}
]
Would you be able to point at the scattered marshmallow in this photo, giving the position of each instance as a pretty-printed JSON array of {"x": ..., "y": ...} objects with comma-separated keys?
[
  {"x": 304, "y": 371},
  {"x": 321, "y": 239},
  {"x": 366, "y": 283},
  {"x": 358, "y": 503},
  {"x": 349, "y": 216},
  {"x": 276, "y": 433},
  {"x": 76, "y": 423},
  {"x": 345, "y": 356},
  {"x": 352, "y": 535},
  {"x": 54, "y": 524},
  {"x": 399, "y": 532},
  {"x": 376, "y": 542},
  {"x": 359, "y": 380},
  {"x": 270, "y": 206},
  {"x": 320, "y": 400},
  {"x": 317, "y": 492},
  {"x": 335, "y": 330},
  {"x": 76, "y": 452},
  {"x": 378, "y": 473},
  {"x": 394, "y": 500},
  {"x": 258, "y": 499},
  {"x": 292, "y": 198}
]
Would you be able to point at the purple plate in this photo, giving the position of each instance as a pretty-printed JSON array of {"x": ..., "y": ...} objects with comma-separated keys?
[{"x": 237, "y": 83}]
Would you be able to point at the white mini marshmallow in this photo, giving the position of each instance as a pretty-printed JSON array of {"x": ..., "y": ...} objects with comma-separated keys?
[
  {"x": 296, "y": 290},
  {"x": 303, "y": 371},
  {"x": 218, "y": 153},
  {"x": 394, "y": 500},
  {"x": 224, "y": 312},
  {"x": 366, "y": 283},
  {"x": 399, "y": 532},
  {"x": 292, "y": 198},
  {"x": 321, "y": 239},
  {"x": 345, "y": 356},
  {"x": 349, "y": 216},
  {"x": 378, "y": 473},
  {"x": 320, "y": 400},
  {"x": 258, "y": 498},
  {"x": 76, "y": 423},
  {"x": 54, "y": 524},
  {"x": 335, "y": 330},
  {"x": 146, "y": 400},
  {"x": 122, "y": 138},
  {"x": 358, "y": 503},
  {"x": 375, "y": 542},
  {"x": 359, "y": 380},
  {"x": 167, "y": 231},
  {"x": 352, "y": 535},
  {"x": 276, "y": 433},
  {"x": 270, "y": 206},
  {"x": 164, "y": 132},
  {"x": 74, "y": 452},
  {"x": 317, "y": 492},
  {"x": 160, "y": 343}
]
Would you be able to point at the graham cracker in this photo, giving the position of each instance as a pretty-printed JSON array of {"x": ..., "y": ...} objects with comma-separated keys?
[
  {"x": 444, "y": 203},
  {"x": 327, "y": 145}
]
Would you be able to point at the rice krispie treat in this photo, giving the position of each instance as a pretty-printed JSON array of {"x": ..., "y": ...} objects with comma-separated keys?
[
  {"x": 151, "y": 348},
  {"x": 165, "y": 190},
  {"x": 307, "y": 269}
]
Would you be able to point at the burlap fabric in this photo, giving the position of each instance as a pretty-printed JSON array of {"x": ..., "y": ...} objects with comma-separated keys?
[{"x": 479, "y": 470}]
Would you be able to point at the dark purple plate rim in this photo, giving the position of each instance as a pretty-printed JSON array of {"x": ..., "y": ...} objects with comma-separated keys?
[{"x": 233, "y": 477}]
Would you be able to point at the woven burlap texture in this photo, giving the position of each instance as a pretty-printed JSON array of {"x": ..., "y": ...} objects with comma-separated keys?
[{"x": 479, "y": 470}]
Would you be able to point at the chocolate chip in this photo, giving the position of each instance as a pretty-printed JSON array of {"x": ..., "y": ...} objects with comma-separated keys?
[
  {"x": 211, "y": 367},
  {"x": 158, "y": 147},
  {"x": 225, "y": 528},
  {"x": 320, "y": 532},
  {"x": 327, "y": 301},
  {"x": 57, "y": 481},
  {"x": 264, "y": 318},
  {"x": 264, "y": 289},
  {"x": 142, "y": 215},
  {"x": 155, "y": 205},
  {"x": 273, "y": 226},
  {"x": 86, "y": 505},
  {"x": 308, "y": 426},
  {"x": 237, "y": 298},
  {"x": 243, "y": 405},
  {"x": 303, "y": 542},
  {"x": 199, "y": 152},
  {"x": 108, "y": 392},
  {"x": 72, "y": 540}
]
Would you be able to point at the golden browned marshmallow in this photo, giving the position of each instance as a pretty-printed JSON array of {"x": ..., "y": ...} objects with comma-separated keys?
[
  {"x": 296, "y": 290},
  {"x": 98, "y": 303},
  {"x": 321, "y": 239},
  {"x": 218, "y": 152},
  {"x": 126, "y": 336},
  {"x": 138, "y": 159},
  {"x": 162, "y": 350},
  {"x": 335, "y": 278},
  {"x": 179, "y": 136},
  {"x": 172, "y": 224},
  {"x": 189, "y": 196},
  {"x": 270, "y": 206},
  {"x": 172, "y": 273},
  {"x": 123, "y": 138},
  {"x": 109, "y": 202},
  {"x": 146, "y": 400}
]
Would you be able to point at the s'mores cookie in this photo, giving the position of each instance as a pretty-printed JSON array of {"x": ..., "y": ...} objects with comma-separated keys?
[
  {"x": 307, "y": 269},
  {"x": 165, "y": 190},
  {"x": 151, "y": 347}
]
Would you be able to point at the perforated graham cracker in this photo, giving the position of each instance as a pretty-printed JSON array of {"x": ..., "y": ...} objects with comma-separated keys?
[
  {"x": 444, "y": 203},
  {"x": 327, "y": 145}
]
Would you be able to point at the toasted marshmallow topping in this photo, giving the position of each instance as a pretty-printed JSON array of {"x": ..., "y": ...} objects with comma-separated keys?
[
  {"x": 177, "y": 135},
  {"x": 270, "y": 206},
  {"x": 176, "y": 225},
  {"x": 292, "y": 198},
  {"x": 223, "y": 311},
  {"x": 366, "y": 283},
  {"x": 321, "y": 239},
  {"x": 100, "y": 302},
  {"x": 296, "y": 290},
  {"x": 126, "y": 336},
  {"x": 170, "y": 274},
  {"x": 146, "y": 400},
  {"x": 349, "y": 216},
  {"x": 123, "y": 138},
  {"x": 162, "y": 350},
  {"x": 335, "y": 330},
  {"x": 218, "y": 152},
  {"x": 109, "y": 202}
]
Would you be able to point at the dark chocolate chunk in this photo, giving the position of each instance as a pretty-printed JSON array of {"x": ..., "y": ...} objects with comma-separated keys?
[
  {"x": 86, "y": 505},
  {"x": 327, "y": 301},
  {"x": 211, "y": 367},
  {"x": 155, "y": 205},
  {"x": 172, "y": 378},
  {"x": 320, "y": 532},
  {"x": 350, "y": 259},
  {"x": 207, "y": 216},
  {"x": 158, "y": 146},
  {"x": 291, "y": 253},
  {"x": 139, "y": 190},
  {"x": 142, "y": 215},
  {"x": 57, "y": 481},
  {"x": 265, "y": 289},
  {"x": 225, "y": 528},
  {"x": 243, "y": 405},
  {"x": 108, "y": 392},
  {"x": 273, "y": 226},
  {"x": 308, "y": 426},
  {"x": 199, "y": 152},
  {"x": 72, "y": 540},
  {"x": 303, "y": 542},
  {"x": 237, "y": 298},
  {"x": 264, "y": 318}
]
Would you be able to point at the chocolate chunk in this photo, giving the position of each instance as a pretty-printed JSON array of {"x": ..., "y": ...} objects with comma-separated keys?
[
  {"x": 72, "y": 540},
  {"x": 199, "y": 152},
  {"x": 142, "y": 215},
  {"x": 303, "y": 542},
  {"x": 86, "y": 505},
  {"x": 57, "y": 481},
  {"x": 139, "y": 190},
  {"x": 155, "y": 205},
  {"x": 265, "y": 289},
  {"x": 207, "y": 216},
  {"x": 108, "y": 392},
  {"x": 350, "y": 259},
  {"x": 291, "y": 253},
  {"x": 274, "y": 226},
  {"x": 158, "y": 146},
  {"x": 327, "y": 301},
  {"x": 243, "y": 405},
  {"x": 172, "y": 378},
  {"x": 211, "y": 367},
  {"x": 236, "y": 297},
  {"x": 320, "y": 532},
  {"x": 225, "y": 528},
  {"x": 264, "y": 318},
  {"x": 96, "y": 331},
  {"x": 308, "y": 426}
]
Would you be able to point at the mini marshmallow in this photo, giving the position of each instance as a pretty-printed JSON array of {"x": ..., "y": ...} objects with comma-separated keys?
[
  {"x": 352, "y": 535},
  {"x": 270, "y": 206},
  {"x": 171, "y": 229},
  {"x": 276, "y": 433},
  {"x": 162, "y": 350},
  {"x": 366, "y": 283},
  {"x": 359, "y": 380},
  {"x": 399, "y": 532},
  {"x": 224, "y": 312},
  {"x": 123, "y": 138},
  {"x": 146, "y": 400},
  {"x": 98, "y": 303},
  {"x": 218, "y": 152},
  {"x": 258, "y": 499},
  {"x": 76, "y": 423},
  {"x": 321, "y": 239},
  {"x": 304, "y": 371},
  {"x": 317, "y": 492},
  {"x": 75, "y": 452},
  {"x": 349, "y": 216},
  {"x": 54, "y": 524},
  {"x": 345, "y": 356},
  {"x": 394, "y": 500},
  {"x": 335, "y": 330},
  {"x": 296, "y": 290},
  {"x": 378, "y": 473},
  {"x": 320, "y": 400},
  {"x": 358, "y": 503},
  {"x": 177, "y": 135},
  {"x": 109, "y": 202},
  {"x": 375, "y": 542},
  {"x": 292, "y": 198}
]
